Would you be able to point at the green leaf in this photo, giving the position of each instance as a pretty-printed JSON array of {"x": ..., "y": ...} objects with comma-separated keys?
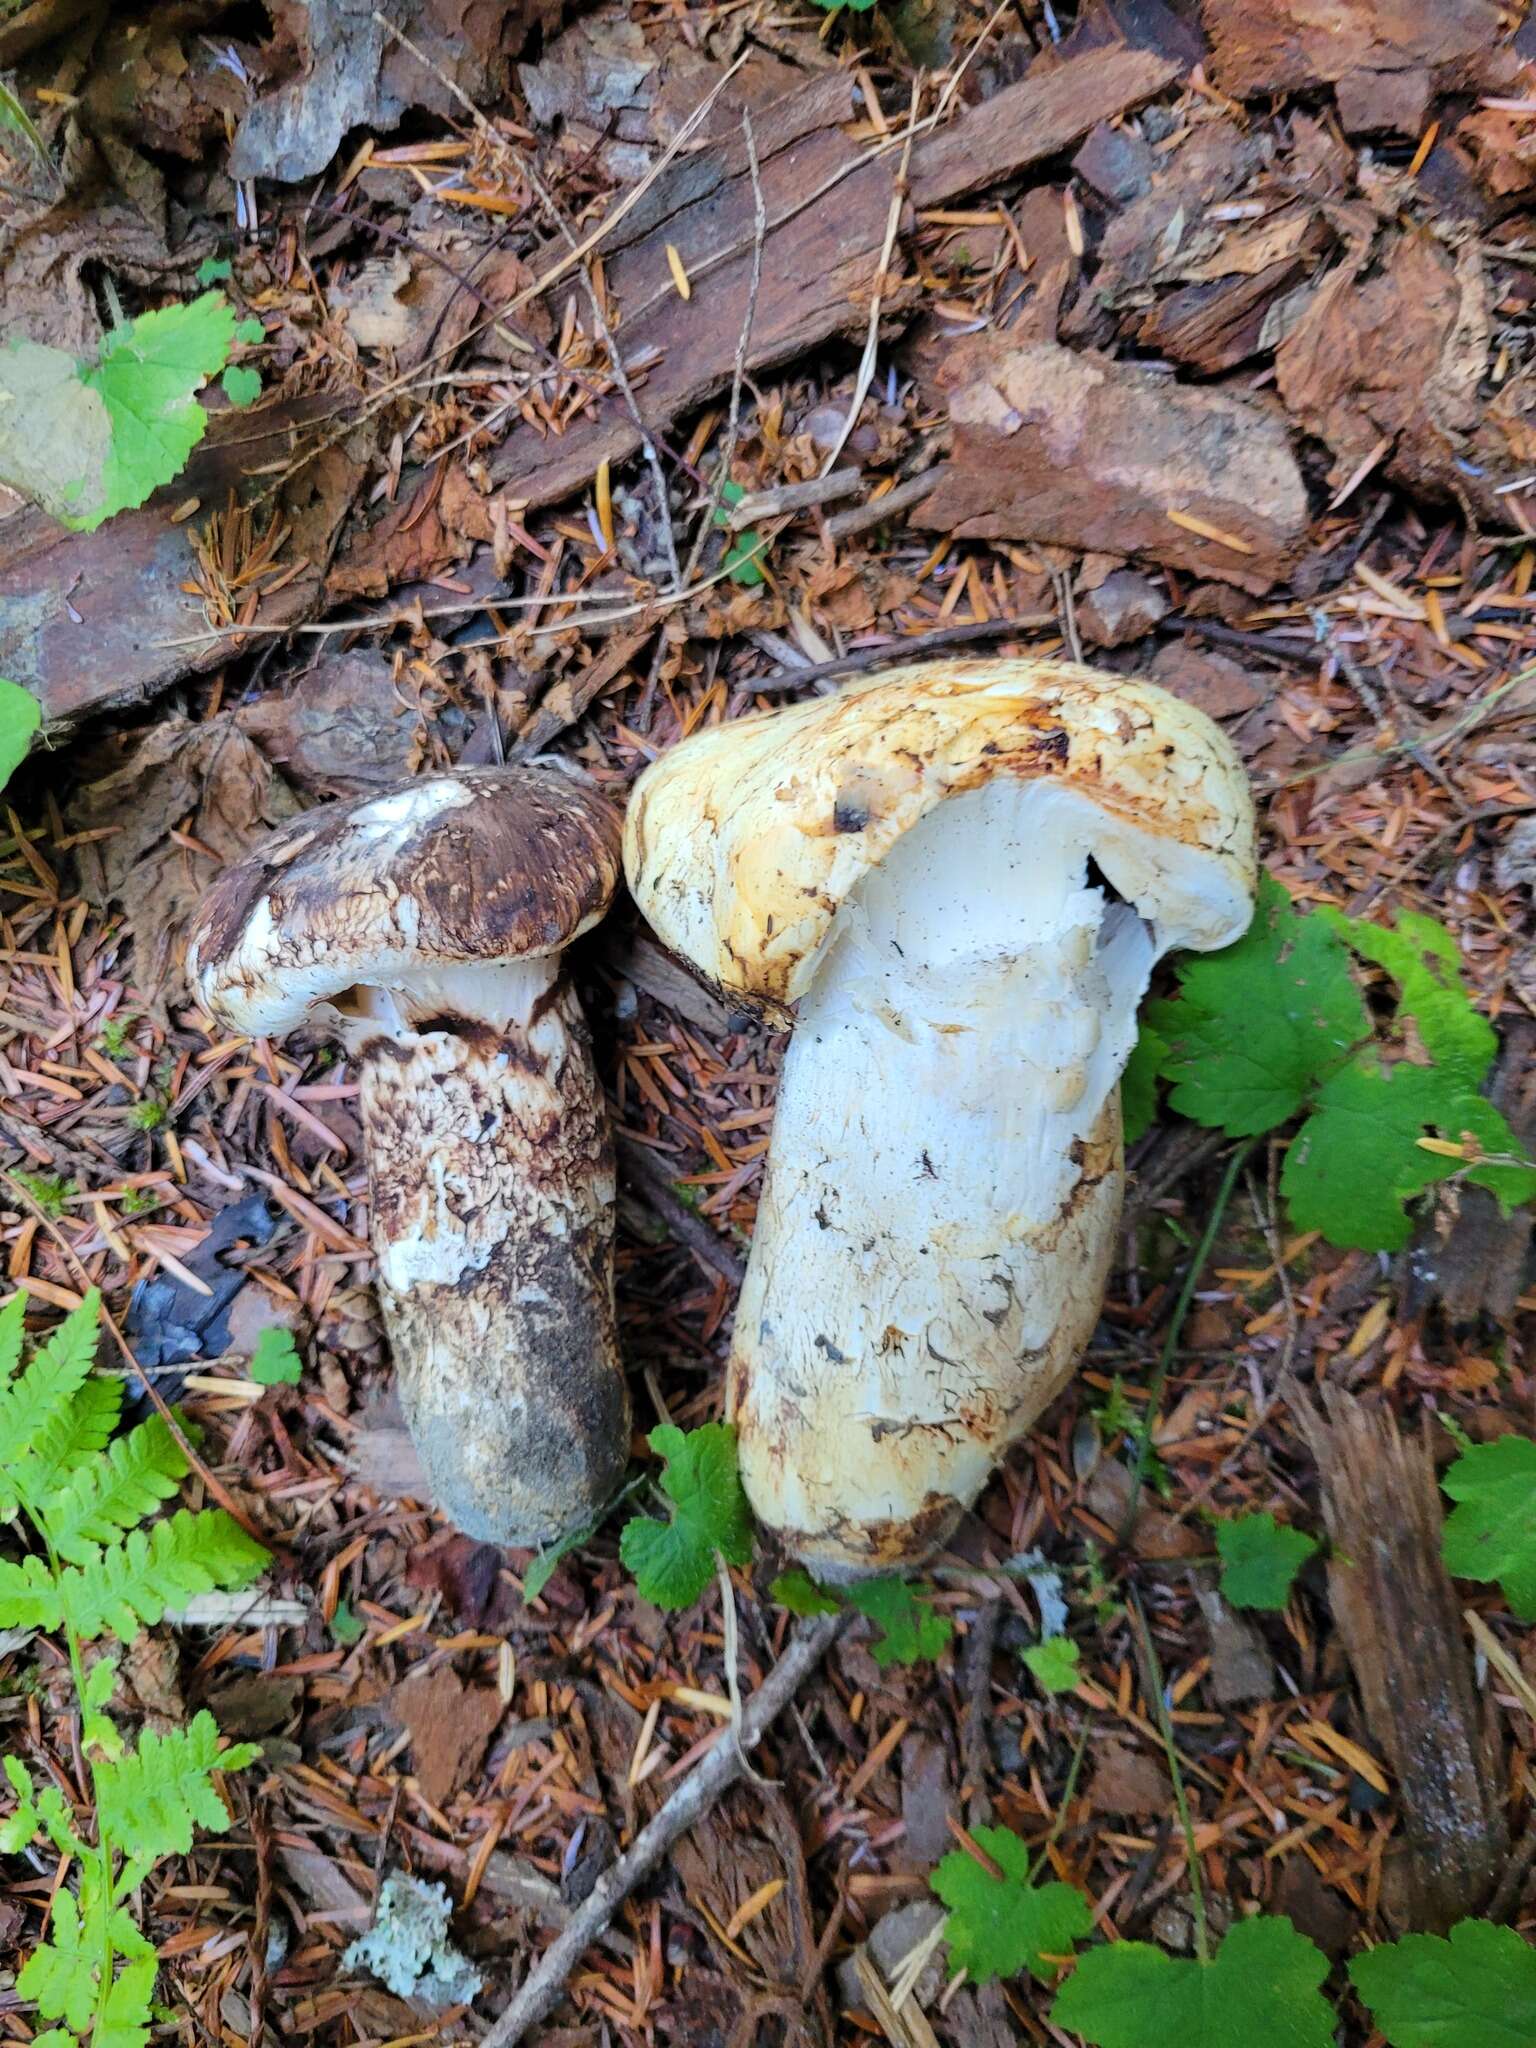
[
  {"x": 61, "y": 1972},
  {"x": 55, "y": 435},
  {"x": 1357, "y": 1159},
  {"x": 1054, "y": 1664},
  {"x": 153, "y": 1797},
  {"x": 249, "y": 332},
  {"x": 542, "y": 1568},
  {"x": 275, "y": 1361},
  {"x": 117, "y": 1490},
  {"x": 29, "y": 1597},
  {"x": 910, "y": 1630},
  {"x": 134, "y": 1581},
  {"x": 673, "y": 1562},
  {"x": 43, "y": 1393},
  {"x": 1257, "y": 1025},
  {"x": 743, "y": 558},
  {"x": 214, "y": 270},
  {"x": 70, "y": 1439},
  {"x": 998, "y": 1926},
  {"x": 99, "y": 1682},
  {"x": 1138, "y": 1084},
  {"x": 346, "y": 1629},
  {"x": 125, "y": 2017},
  {"x": 1260, "y": 1990},
  {"x": 20, "y": 716},
  {"x": 1491, "y": 1534},
  {"x": 1422, "y": 958},
  {"x": 799, "y": 1592},
  {"x": 1260, "y": 1559},
  {"x": 22, "y": 1826},
  {"x": 13, "y": 1319},
  {"x": 242, "y": 384},
  {"x": 1474, "y": 1989},
  {"x": 148, "y": 377}
]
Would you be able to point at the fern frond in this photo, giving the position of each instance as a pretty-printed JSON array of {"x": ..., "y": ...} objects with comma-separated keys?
[
  {"x": 68, "y": 1439},
  {"x": 70, "y": 1350},
  {"x": 12, "y": 1316},
  {"x": 118, "y": 1491},
  {"x": 61, "y": 1973},
  {"x": 158, "y": 1792},
  {"x": 29, "y": 1596},
  {"x": 45, "y": 1390},
  {"x": 125, "y": 2017},
  {"x": 134, "y": 1581}
]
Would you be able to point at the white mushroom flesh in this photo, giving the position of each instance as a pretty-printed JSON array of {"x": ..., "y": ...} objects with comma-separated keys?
[{"x": 931, "y": 1245}]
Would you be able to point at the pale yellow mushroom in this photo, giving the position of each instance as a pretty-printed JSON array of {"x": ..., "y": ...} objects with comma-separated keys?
[{"x": 963, "y": 875}]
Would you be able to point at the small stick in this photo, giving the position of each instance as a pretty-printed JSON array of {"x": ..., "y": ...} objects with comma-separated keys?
[
  {"x": 918, "y": 648},
  {"x": 720, "y": 1769},
  {"x": 743, "y": 346},
  {"x": 875, "y": 511},
  {"x": 803, "y": 497},
  {"x": 866, "y": 374},
  {"x": 686, "y": 1226}
]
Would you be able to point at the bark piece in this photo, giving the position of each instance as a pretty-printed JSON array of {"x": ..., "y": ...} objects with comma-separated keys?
[
  {"x": 1127, "y": 1780},
  {"x": 1371, "y": 102},
  {"x": 1083, "y": 452},
  {"x": 1395, "y": 353},
  {"x": 1217, "y": 325},
  {"x": 1400, "y": 1621},
  {"x": 355, "y": 75},
  {"x": 341, "y": 730},
  {"x": 1217, "y": 685},
  {"x": 1260, "y": 46},
  {"x": 449, "y": 1723},
  {"x": 89, "y": 621},
  {"x": 207, "y": 780},
  {"x": 1124, "y": 607},
  {"x": 827, "y": 203}
]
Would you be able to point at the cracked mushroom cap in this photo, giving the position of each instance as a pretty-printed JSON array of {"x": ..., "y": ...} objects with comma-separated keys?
[
  {"x": 450, "y": 871},
  {"x": 743, "y": 843}
]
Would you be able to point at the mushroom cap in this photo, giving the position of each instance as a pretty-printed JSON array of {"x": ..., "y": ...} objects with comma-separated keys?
[
  {"x": 468, "y": 868},
  {"x": 743, "y": 842}
]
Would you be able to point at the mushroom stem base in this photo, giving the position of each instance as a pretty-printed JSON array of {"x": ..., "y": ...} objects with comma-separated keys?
[{"x": 492, "y": 1188}]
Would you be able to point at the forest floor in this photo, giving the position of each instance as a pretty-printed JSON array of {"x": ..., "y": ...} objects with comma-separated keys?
[{"x": 1189, "y": 342}]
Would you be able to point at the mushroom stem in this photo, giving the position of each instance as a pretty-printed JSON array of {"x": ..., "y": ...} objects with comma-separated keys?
[
  {"x": 492, "y": 1189},
  {"x": 944, "y": 1179}
]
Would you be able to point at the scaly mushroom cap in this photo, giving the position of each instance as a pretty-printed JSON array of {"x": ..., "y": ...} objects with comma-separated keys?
[
  {"x": 741, "y": 846},
  {"x": 451, "y": 871}
]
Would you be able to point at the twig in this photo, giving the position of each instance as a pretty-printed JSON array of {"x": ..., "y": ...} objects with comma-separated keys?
[
  {"x": 801, "y": 497},
  {"x": 1159, "y": 1379},
  {"x": 866, "y": 375},
  {"x": 918, "y": 648},
  {"x": 1152, "y": 1678},
  {"x": 743, "y": 345},
  {"x": 720, "y": 1769},
  {"x": 689, "y": 1228},
  {"x": 875, "y": 511},
  {"x": 551, "y": 206}
]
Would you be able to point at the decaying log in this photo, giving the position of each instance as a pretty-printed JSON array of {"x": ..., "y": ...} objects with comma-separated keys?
[
  {"x": 89, "y": 621},
  {"x": 1400, "y": 1621},
  {"x": 827, "y": 200}
]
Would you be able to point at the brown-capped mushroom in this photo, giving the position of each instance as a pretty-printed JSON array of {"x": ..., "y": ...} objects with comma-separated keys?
[{"x": 424, "y": 929}]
